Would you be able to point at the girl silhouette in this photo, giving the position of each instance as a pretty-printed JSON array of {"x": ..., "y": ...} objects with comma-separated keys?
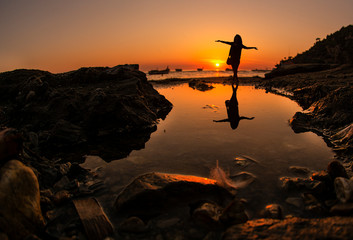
[{"x": 234, "y": 55}]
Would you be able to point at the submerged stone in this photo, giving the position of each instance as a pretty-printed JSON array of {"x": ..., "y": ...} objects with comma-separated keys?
[
  {"x": 155, "y": 192},
  {"x": 272, "y": 211}
]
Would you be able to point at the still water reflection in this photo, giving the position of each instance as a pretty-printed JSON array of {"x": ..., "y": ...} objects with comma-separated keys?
[
  {"x": 232, "y": 107},
  {"x": 189, "y": 141}
]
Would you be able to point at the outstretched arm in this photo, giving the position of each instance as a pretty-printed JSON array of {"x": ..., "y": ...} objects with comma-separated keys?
[
  {"x": 247, "y": 118},
  {"x": 224, "y": 120},
  {"x": 229, "y": 43},
  {"x": 245, "y": 47}
]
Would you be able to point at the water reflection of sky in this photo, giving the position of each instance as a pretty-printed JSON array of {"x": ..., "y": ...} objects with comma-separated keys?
[{"x": 189, "y": 142}]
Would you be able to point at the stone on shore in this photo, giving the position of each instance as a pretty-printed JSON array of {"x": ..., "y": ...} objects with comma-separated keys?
[
  {"x": 20, "y": 201},
  {"x": 153, "y": 193}
]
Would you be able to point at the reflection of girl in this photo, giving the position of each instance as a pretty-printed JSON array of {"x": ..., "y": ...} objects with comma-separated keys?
[
  {"x": 233, "y": 111},
  {"x": 234, "y": 55}
]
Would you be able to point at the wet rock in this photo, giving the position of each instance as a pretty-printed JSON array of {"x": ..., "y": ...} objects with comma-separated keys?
[
  {"x": 344, "y": 189},
  {"x": 207, "y": 214},
  {"x": 110, "y": 110},
  {"x": 272, "y": 211},
  {"x": 234, "y": 213},
  {"x": 322, "y": 176},
  {"x": 64, "y": 168},
  {"x": 343, "y": 137},
  {"x": 307, "y": 95},
  {"x": 152, "y": 193},
  {"x": 61, "y": 197},
  {"x": 289, "y": 184},
  {"x": 19, "y": 197},
  {"x": 300, "y": 122},
  {"x": 336, "y": 169},
  {"x": 132, "y": 225},
  {"x": 292, "y": 228},
  {"x": 10, "y": 144}
]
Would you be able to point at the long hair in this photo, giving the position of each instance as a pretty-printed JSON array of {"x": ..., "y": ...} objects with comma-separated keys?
[{"x": 238, "y": 40}]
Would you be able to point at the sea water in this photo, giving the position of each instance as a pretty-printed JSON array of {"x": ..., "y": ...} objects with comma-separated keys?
[
  {"x": 189, "y": 141},
  {"x": 205, "y": 74}
]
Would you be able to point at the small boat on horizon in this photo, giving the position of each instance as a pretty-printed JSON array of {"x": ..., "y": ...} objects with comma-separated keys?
[
  {"x": 178, "y": 70},
  {"x": 200, "y": 69},
  {"x": 155, "y": 72}
]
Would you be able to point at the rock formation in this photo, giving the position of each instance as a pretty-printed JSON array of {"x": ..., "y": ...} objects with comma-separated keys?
[
  {"x": 100, "y": 110},
  {"x": 20, "y": 212}
]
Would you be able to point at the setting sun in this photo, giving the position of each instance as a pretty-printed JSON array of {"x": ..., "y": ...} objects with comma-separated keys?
[{"x": 217, "y": 64}]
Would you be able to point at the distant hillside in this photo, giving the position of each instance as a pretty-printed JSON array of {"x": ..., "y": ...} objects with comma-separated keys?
[{"x": 336, "y": 48}]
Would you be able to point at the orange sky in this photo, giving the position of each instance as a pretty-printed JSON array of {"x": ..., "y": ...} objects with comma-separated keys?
[{"x": 65, "y": 35}]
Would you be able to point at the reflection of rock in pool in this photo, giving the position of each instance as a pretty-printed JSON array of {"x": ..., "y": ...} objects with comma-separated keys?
[{"x": 211, "y": 106}]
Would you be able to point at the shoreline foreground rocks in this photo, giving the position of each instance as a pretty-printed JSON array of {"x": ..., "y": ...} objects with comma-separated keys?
[
  {"x": 110, "y": 111},
  {"x": 98, "y": 110}
]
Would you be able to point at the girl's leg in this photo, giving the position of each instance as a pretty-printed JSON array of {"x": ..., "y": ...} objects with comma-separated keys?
[{"x": 235, "y": 74}]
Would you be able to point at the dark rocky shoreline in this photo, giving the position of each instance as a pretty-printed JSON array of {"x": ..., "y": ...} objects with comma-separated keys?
[
  {"x": 98, "y": 110},
  {"x": 62, "y": 116}
]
